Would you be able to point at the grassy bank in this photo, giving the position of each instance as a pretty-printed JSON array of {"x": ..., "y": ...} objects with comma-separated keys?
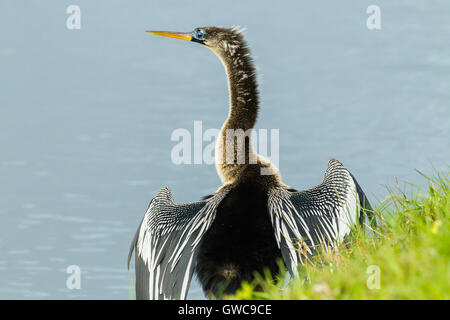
[{"x": 406, "y": 256}]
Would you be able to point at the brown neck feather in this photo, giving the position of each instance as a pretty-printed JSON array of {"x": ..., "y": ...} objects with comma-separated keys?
[
  {"x": 243, "y": 112},
  {"x": 243, "y": 90},
  {"x": 235, "y": 159}
]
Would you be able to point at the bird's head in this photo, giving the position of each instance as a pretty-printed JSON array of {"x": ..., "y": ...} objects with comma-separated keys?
[{"x": 223, "y": 41}]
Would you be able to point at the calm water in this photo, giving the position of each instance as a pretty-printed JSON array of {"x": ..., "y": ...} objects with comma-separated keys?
[{"x": 86, "y": 116}]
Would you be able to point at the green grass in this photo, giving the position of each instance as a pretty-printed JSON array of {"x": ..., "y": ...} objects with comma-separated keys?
[{"x": 409, "y": 246}]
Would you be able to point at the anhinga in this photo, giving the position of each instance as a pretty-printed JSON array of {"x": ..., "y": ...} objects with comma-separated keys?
[{"x": 253, "y": 219}]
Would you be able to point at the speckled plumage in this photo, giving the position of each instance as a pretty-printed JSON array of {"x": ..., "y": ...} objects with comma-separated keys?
[{"x": 253, "y": 219}]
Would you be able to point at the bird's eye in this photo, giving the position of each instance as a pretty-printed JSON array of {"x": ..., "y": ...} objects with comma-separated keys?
[{"x": 199, "y": 34}]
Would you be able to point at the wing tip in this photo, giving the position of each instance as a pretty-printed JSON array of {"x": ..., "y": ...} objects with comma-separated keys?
[
  {"x": 132, "y": 247},
  {"x": 164, "y": 194},
  {"x": 366, "y": 207},
  {"x": 334, "y": 162}
]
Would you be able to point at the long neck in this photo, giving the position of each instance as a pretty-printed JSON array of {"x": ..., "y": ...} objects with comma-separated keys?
[{"x": 243, "y": 92}]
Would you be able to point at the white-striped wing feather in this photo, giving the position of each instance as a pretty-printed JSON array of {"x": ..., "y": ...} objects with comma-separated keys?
[
  {"x": 166, "y": 243},
  {"x": 318, "y": 217}
]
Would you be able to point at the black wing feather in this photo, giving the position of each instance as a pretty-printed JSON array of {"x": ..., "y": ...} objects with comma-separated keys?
[{"x": 166, "y": 243}]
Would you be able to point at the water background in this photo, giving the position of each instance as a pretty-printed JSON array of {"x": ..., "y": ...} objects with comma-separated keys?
[{"x": 86, "y": 116}]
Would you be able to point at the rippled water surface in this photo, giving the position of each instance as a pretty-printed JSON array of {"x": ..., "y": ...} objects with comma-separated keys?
[{"x": 86, "y": 116}]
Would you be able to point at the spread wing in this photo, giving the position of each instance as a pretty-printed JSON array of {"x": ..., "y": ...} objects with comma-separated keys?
[
  {"x": 166, "y": 243},
  {"x": 318, "y": 217}
]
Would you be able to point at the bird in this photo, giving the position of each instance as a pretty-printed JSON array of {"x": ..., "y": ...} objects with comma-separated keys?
[{"x": 253, "y": 220}]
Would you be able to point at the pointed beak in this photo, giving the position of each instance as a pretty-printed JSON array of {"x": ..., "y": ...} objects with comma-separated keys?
[{"x": 176, "y": 35}]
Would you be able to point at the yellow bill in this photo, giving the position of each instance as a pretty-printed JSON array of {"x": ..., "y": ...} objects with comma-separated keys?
[{"x": 169, "y": 34}]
